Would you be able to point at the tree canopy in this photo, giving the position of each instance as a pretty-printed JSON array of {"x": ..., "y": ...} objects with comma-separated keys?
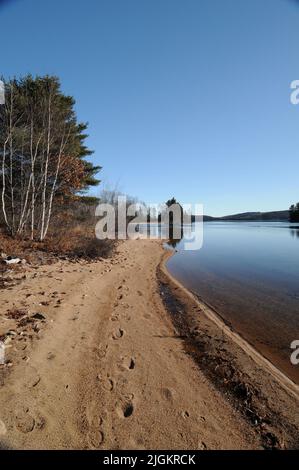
[
  {"x": 43, "y": 155},
  {"x": 294, "y": 212}
]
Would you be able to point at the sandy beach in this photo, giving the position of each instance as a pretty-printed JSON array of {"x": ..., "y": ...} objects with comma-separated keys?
[{"x": 116, "y": 354}]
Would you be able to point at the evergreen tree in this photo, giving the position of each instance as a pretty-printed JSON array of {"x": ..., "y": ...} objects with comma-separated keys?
[
  {"x": 294, "y": 213},
  {"x": 42, "y": 154}
]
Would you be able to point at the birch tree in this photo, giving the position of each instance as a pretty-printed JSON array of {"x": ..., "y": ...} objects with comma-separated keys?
[{"x": 42, "y": 154}]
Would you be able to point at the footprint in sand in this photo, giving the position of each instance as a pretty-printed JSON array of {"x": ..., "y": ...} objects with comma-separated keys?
[
  {"x": 32, "y": 378},
  {"x": 126, "y": 363},
  {"x": 40, "y": 422},
  {"x": 125, "y": 410},
  {"x": 137, "y": 443},
  {"x": 132, "y": 364},
  {"x": 118, "y": 334},
  {"x": 102, "y": 350},
  {"x": 167, "y": 394},
  {"x": 24, "y": 421},
  {"x": 107, "y": 384},
  {"x": 202, "y": 446},
  {"x": 95, "y": 436},
  {"x": 2, "y": 428}
]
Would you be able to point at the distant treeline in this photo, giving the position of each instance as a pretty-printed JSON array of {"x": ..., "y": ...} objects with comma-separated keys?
[
  {"x": 291, "y": 215},
  {"x": 250, "y": 216}
]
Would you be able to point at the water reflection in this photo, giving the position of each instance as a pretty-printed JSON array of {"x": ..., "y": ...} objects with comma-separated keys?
[
  {"x": 161, "y": 231},
  {"x": 173, "y": 242},
  {"x": 186, "y": 236},
  {"x": 249, "y": 272},
  {"x": 294, "y": 231}
]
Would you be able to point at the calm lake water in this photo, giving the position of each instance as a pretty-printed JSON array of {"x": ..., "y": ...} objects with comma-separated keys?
[{"x": 249, "y": 272}]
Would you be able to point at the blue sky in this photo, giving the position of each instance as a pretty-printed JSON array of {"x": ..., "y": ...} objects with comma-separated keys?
[{"x": 184, "y": 98}]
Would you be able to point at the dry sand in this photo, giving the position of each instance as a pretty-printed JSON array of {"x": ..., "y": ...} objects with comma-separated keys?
[{"x": 122, "y": 357}]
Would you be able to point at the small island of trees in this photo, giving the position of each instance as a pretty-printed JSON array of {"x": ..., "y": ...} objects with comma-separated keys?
[{"x": 294, "y": 213}]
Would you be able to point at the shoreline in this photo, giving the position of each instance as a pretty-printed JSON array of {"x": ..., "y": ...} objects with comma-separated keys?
[
  {"x": 115, "y": 354},
  {"x": 237, "y": 370},
  {"x": 285, "y": 381}
]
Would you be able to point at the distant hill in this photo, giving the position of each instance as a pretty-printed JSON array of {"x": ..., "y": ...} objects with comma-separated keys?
[
  {"x": 251, "y": 216},
  {"x": 275, "y": 215}
]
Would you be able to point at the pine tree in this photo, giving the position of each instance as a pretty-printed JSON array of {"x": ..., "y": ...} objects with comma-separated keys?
[
  {"x": 42, "y": 154},
  {"x": 294, "y": 213}
]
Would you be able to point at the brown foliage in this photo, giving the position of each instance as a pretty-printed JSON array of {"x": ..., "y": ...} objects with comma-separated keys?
[{"x": 72, "y": 235}]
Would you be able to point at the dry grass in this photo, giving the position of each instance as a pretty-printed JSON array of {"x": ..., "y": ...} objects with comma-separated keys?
[
  {"x": 75, "y": 242},
  {"x": 79, "y": 241},
  {"x": 71, "y": 235}
]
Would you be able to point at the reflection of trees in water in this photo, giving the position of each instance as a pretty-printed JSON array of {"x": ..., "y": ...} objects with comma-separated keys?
[
  {"x": 174, "y": 241},
  {"x": 294, "y": 232}
]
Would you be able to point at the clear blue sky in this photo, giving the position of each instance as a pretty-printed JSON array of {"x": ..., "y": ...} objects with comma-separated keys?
[{"x": 185, "y": 98}]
